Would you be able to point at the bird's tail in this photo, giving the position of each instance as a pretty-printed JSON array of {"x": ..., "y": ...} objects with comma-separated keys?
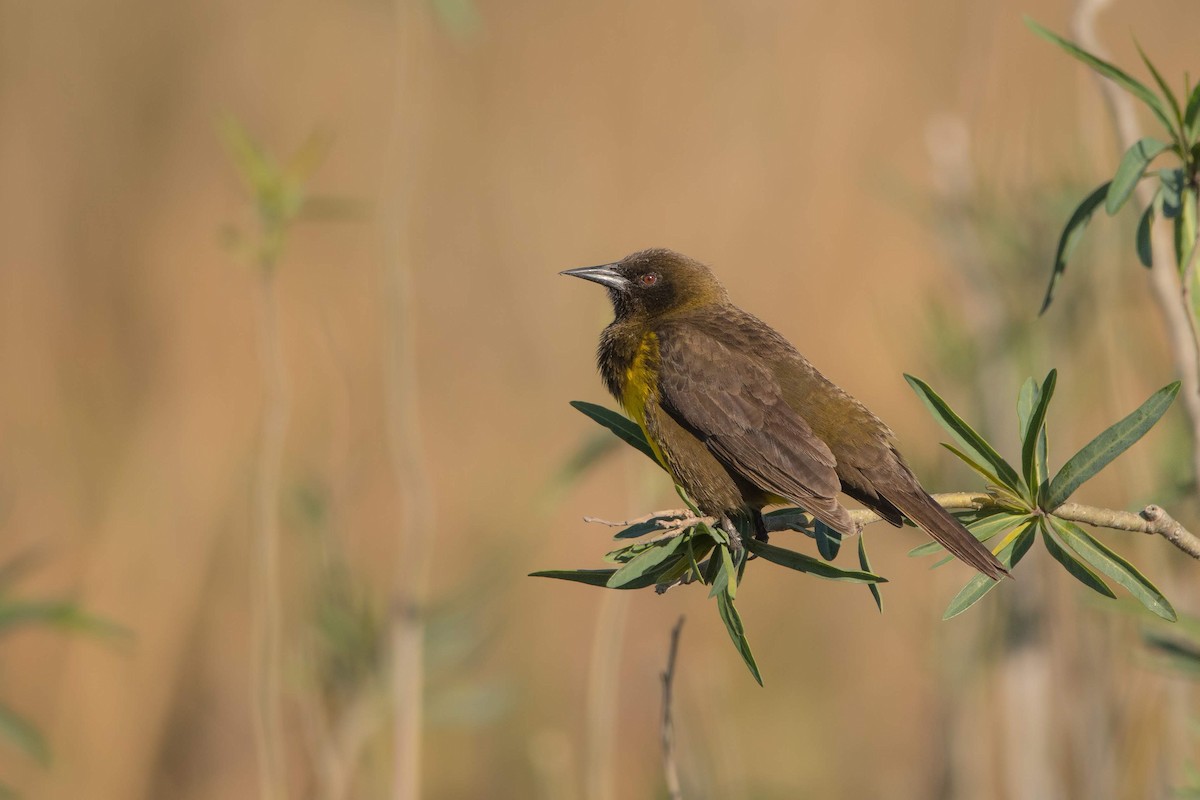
[{"x": 922, "y": 509}]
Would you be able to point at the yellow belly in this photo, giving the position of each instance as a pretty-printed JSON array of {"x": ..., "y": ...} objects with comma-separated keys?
[{"x": 641, "y": 384}]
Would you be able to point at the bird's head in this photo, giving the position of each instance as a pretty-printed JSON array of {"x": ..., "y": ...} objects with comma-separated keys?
[{"x": 654, "y": 282}]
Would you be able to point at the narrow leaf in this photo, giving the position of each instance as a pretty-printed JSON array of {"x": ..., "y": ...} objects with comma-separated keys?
[
  {"x": 865, "y": 563},
  {"x": 733, "y": 624},
  {"x": 60, "y": 614},
  {"x": 1185, "y": 229},
  {"x": 983, "y": 471},
  {"x": 1033, "y": 447},
  {"x": 1099, "y": 452},
  {"x": 1013, "y": 551},
  {"x": 1191, "y": 116},
  {"x": 1145, "y": 250},
  {"x": 626, "y": 429},
  {"x": 1026, "y": 400},
  {"x": 591, "y": 577},
  {"x": 829, "y": 541},
  {"x": 1110, "y": 71},
  {"x": 652, "y": 525},
  {"x": 982, "y": 529},
  {"x": 974, "y": 445},
  {"x": 1072, "y": 564},
  {"x": 1133, "y": 166},
  {"x": 1165, "y": 89},
  {"x": 802, "y": 563},
  {"x": 1109, "y": 563},
  {"x": 1171, "y": 188},
  {"x": 22, "y": 733},
  {"x": 1071, "y": 236},
  {"x": 648, "y": 563},
  {"x": 726, "y": 573}
]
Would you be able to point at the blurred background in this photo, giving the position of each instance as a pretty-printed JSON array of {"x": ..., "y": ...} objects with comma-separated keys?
[{"x": 884, "y": 183}]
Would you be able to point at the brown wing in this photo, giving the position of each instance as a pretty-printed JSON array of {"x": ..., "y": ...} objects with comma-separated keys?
[{"x": 731, "y": 402}]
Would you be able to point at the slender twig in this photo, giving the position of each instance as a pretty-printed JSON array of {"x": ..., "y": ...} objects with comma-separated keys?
[
  {"x": 1172, "y": 297},
  {"x": 1152, "y": 519},
  {"x": 669, "y": 514},
  {"x": 267, "y": 699},
  {"x": 670, "y": 767},
  {"x": 416, "y": 534}
]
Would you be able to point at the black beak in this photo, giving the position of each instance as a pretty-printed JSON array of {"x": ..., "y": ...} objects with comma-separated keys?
[{"x": 605, "y": 274}]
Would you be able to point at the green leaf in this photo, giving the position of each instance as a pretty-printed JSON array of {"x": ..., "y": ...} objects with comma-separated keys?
[
  {"x": 865, "y": 563},
  {"x": 1026, "y": 400},
  {"x": 1071, "y": 236},
  {"x": 980, "y": 585},
  {"x": 648, "y": 563},
  {"x": 1099, "y": 452},
  {"x": 1110, "y": 71},
  {"x": 813, "y": 566},
  {"x": 1108, "y": 563},
  {"x": 1171, "y": 188},
  {"x": 20, "y": 732},
  {"x": 974, "y": 445},
  {"x": 1033, "y": 446},
  {"x": 793, "y": 519},
  {"x": 726, "y": 573},
  {"x": 1133, "y": 166},
  {"x": 1166, "y": 91},
  {"x": 1192, "y": 114},
  {"x": 1072, "y": 564},
  {"x": 829, "y": 541},
  {"x": 983, "y": 529},
  {"x": 983, "y": 471},
  {"x": 1185, "y": 229},
  {"x": 733, "y": 624},
  {"x": 625, "y": 429},
  {"x": 1145, "y": 250},
  {"x": 591, "y": 577},
  {"x": 652, "y": 525},
  {"x": 61, "y": 614}
]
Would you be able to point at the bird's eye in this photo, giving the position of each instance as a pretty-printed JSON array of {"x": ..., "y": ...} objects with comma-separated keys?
[{"x": 649, "y": 279}]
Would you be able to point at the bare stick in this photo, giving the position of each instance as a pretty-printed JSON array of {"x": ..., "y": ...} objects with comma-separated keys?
[
  {"x": 670, "y": 767},
  {"x": 415, "y": 535},
  {"x": 268, "y": 664}
]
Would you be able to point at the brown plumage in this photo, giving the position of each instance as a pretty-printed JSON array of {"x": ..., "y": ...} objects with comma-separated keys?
[{"x": 740, "y": 418}]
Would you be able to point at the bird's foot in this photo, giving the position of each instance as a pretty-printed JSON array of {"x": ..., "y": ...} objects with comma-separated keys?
[
  {"x": 760, "y": 527},
  {"x": 735, "y": 538}
]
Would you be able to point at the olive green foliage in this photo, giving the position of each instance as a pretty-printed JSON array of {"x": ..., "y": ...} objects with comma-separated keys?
[
  {"x": 1175, "y": 198},
  {"x": 685, "y": 548},
  {"x": 16, "y": 614}
]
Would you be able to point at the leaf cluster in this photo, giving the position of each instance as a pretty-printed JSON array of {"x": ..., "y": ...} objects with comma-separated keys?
[
  {"x": 1175, "y": 197},
  {"x": 1023, "y": 501},
  {"x": 673, "y": 550}
]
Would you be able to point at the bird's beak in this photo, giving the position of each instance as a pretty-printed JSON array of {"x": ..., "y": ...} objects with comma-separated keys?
[{"x": 605, "y": 274}]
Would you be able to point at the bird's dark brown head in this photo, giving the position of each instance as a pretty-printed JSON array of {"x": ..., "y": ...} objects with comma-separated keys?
[{"x": 650, "y": 283}]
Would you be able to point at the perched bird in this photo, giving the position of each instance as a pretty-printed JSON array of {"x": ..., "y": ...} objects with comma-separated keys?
[{"x": 741, "y": 419}]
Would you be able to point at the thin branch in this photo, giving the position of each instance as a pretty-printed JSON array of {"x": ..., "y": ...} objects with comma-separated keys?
[
  {"x": 416, "y": 532},
  {"x": 268, "y": 625},
  {"x": 1152, "y": 519},
  {"x": 670, "y": 767},
  {"x": 1173, "y": 299}
]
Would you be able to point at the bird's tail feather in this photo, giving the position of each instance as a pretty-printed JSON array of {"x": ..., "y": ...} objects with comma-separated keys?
[{"x": 948, "y": 531}]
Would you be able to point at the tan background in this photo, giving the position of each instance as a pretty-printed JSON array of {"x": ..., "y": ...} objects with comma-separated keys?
[{"x": 783, "y": 142}]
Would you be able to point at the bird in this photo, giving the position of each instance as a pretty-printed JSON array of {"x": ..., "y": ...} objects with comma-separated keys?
[{"x": 740, "y": 419}]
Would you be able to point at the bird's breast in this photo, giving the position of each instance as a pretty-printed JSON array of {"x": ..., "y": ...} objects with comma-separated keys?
[{"x": 639, "y": 385}]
